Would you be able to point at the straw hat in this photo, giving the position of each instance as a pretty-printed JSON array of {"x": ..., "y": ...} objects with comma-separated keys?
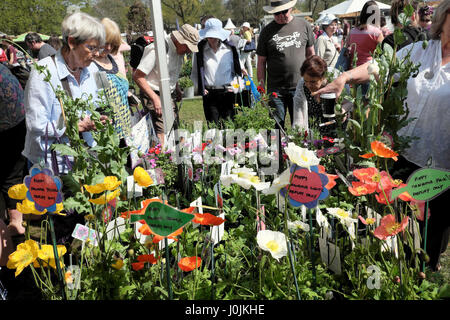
[
  {"x": 188, "y": 35},
  {"x": 277, "y": 6}
]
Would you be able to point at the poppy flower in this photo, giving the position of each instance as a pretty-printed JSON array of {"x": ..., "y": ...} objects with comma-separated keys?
[
  {"x": 301, "y": 156},
  {"x": 104, "y": 199},
  {"x": 389, "y": 227},
  {"x": 367, "y": 175},
  {"x": 142, "y": 177},
  {"x": 274, "y": 94},
  {"x": 189, "y": 263},
  {"x": 150, "y": 258},
  {"x": 47, "y": 256},
  {"x": 26, "y": 254},
  {"x": 207, "y": 219},
  {"x": 137, "y": 266},
  {"x": 331, "y": 177},
  {"x": 109, "y": 183},
  {"x": 118, "y": 264},
  {"x": 272, "y": 241},
  {"x": 18, "y": 191},
  {"x": 368, "y": 221},
  {"x": 359, "y": 188},
  {"x": 260, "y": 89},
  {"x": 381, "y": 150}
]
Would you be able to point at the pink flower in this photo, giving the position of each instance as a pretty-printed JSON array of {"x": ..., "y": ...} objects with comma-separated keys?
[{"x": 389, "y": 227}]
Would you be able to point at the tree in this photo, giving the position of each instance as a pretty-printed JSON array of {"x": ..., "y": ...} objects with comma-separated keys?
[
  {"x": 116, "y": 10},
  {"x": 138, "y": 20},
  {"x": 250, "y": 11}
]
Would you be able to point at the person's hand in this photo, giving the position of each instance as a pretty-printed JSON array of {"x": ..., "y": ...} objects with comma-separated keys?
[
  {"x": 333, "y": 87},
  {"x": 86, "y": 124},
  {"x": 205, "y": 92},
  {"x": 158, "y": 108},
  {"x": 244, "y": 72},
  {"x": 104, "y": 119}
]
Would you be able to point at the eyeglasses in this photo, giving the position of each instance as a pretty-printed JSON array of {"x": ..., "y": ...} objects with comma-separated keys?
[
  {"x": 93, "y": 49},
  {"x": 281, "y": 12}
]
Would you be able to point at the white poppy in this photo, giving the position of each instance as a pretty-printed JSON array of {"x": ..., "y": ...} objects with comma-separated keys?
[
  {"x": 345, "y": 218},
  {"x": 297, "y": 224},
  {"x": 245, "y": 177},
  {"x": 272, "y": 241},
  {"x": 279, "y": 182},
  {"x": 301, "y": 156}
]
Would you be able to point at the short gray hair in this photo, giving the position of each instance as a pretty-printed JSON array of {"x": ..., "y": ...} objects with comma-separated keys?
[
  {"x": 439, "y": 16},
  {"x": 82, "y": 27}
]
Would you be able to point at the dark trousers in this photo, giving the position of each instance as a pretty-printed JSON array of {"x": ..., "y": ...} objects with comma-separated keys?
[
  {"x": 280, "y": 101},
  {"x": 438, "y": 229},
  {"x": 219, "y": 105}
]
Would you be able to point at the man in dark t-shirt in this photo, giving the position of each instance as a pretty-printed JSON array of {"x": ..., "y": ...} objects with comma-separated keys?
[
  {"x": 282, "y": 48},
  {"x": 39, "y": 47}
]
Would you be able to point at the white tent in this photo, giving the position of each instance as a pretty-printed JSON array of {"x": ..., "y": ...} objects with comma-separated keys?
[{"x": 351, "y": 6}]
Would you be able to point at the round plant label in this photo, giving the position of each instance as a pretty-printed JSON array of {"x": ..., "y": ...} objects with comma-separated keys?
[{"x": 306, "y": 186}]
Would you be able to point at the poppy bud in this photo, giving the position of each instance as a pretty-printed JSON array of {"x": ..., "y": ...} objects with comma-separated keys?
[{"x": 422, "y": 275}]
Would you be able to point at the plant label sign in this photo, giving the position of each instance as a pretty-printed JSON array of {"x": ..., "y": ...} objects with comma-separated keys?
[
  {"x": 307, "y": 187},
  {"x": 425, "y": 184},
  {"x": 43, "y": 188},
  {"x": 163, "y": 219}
]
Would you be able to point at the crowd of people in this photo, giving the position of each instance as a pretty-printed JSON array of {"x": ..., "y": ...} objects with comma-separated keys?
[{"x": 292, "y": 58}]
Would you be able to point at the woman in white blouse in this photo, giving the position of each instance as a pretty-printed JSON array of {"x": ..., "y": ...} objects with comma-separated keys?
[
  {"x": 326, "y": 45},
  {"x": 428, "y": 101}
]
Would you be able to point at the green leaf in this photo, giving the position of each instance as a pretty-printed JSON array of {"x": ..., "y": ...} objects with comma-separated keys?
[{"x": 64, "y": 149}]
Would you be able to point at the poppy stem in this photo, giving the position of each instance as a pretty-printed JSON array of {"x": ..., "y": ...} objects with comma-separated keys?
[
  {"x": 169, "y": 283},
  {"x": 425, "y": 234},
  {"x": 55, "y": 252}
]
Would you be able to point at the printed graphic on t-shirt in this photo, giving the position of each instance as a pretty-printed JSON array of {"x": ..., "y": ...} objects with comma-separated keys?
[{"x": 287, "y": 41}]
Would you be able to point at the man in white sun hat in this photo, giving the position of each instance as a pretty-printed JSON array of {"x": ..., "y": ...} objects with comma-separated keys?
[
  {"x": 214, "y": 67},
  {"x": 282, "y": 48}
]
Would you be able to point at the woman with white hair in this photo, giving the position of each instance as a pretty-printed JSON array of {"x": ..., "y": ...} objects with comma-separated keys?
[
  {"x": 326, "y": 45},
  {"x": 83, "y": 38}
]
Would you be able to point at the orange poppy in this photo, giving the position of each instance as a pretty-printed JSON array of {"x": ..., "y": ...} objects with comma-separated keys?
[
  {"x": 190, "y": 263},
  {"x": 207, "y": 219},
  {"x": 360, "y": 188},
  {"x": 137, "y": 266},
  {"x": 381, "y": 150},
  {"x": 367, "y": 175},
  {"x": 331, "y": 177},
  {"x": 150, "y": 258}
]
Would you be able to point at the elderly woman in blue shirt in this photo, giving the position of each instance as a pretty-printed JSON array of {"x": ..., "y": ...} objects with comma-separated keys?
[{"x": 83, "y": 38}]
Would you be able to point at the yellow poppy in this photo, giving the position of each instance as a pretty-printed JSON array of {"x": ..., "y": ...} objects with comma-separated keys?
[
  {"x": 27, "y": 207},
  {"x": 111, "y": 183},
  {"x": 104, "y": 199},
  {"x": 47, "y": 256},
  {"x": 18, "y": 192},
  {"x": 26, "y": 253},
  {"x": 118, "y": 264},
  {"x": 142, "y": 177}
]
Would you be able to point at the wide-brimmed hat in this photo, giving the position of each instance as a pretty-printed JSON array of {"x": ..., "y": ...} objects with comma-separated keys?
[
  {"x": 327, "y": 19},
  {"x": 188, "y": 35},
  {"x": 279, "y": 5},
  {"x": 213, "y": 29},
  {"x": 246, "y": 24}
]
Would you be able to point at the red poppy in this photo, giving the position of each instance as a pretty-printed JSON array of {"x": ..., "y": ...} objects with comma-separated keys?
[
  {"x": 360, "y": 188},
  {"x": 137, "y": 266},
  {"x": 367, "y": 221},
  {"x": 261, "y": 89},
  {"x": 331, "y": 140},
  {"x": 389, "y": 227},
  {"x": 207, "y": 219},
  {"x": 150, "y": 258},
  {"x": 275, "y": 95},
  {"x": 367, "y": 175},
  {"x": 190, "y": 263}
]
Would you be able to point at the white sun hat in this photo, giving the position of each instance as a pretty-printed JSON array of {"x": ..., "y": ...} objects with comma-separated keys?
[{"x": 213, "y": 29}]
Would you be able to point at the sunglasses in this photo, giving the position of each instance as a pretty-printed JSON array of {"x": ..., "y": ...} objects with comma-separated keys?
[{"x": 281, "y": 12}]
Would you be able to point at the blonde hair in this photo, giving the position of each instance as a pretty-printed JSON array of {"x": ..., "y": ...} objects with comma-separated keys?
[
  {"x": 439, "y": 16},
  {"x": 112, "y": 34}
]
